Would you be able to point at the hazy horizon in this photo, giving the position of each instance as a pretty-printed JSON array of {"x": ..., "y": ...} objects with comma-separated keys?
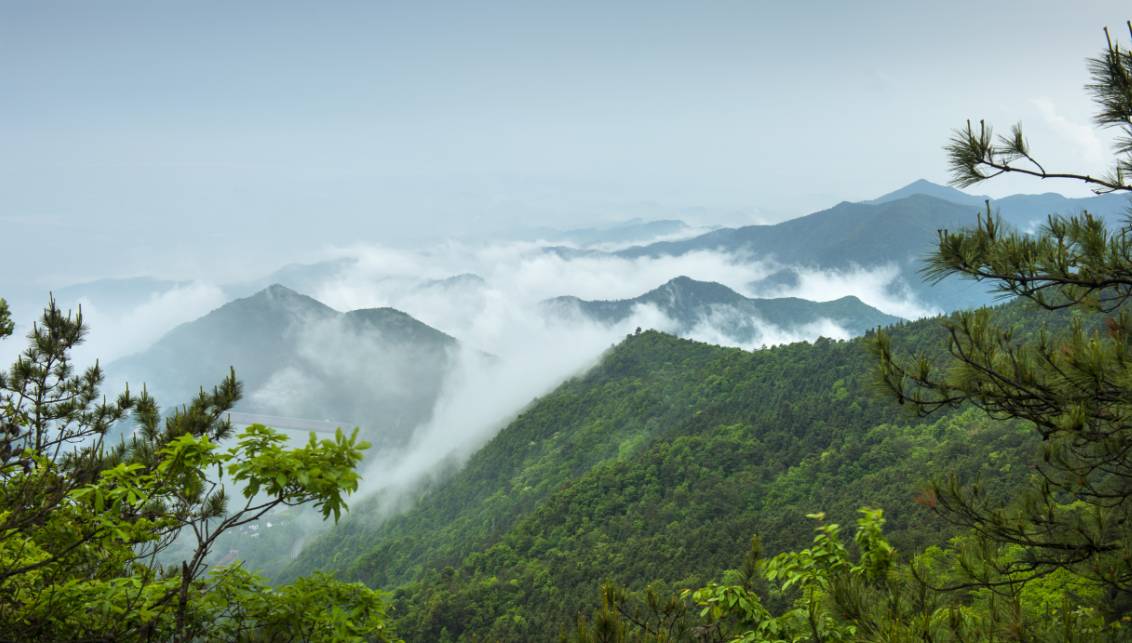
[{"x": 218, "y": 140}]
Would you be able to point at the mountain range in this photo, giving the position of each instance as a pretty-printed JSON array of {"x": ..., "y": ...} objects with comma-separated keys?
[
  {"x": 692, "y": 304},
  {"x": 1024, "y": 211},
  {"x": 898, "y": 229}
]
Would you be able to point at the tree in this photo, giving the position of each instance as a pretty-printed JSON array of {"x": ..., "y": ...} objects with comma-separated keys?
[
  {"x": 87, "y": 524},
  {"x": 1074, "y": 388},
  {"x": 826, "y": 592}
]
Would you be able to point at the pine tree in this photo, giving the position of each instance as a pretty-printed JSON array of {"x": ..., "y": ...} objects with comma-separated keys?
[{"x": 1073, "y": 388}]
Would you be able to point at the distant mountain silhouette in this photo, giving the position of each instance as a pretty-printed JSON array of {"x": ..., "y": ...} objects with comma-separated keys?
[
  {"x": 927, "y": 188},
  {"x": 899, "y": 229},
  {"x": 1025, "y": 211},
  {"x": 690, "y": 303},
  {"x": 295, "y": 356}
]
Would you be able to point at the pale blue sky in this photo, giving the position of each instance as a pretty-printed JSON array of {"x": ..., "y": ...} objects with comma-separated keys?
[{"x": 209, "y": 138}]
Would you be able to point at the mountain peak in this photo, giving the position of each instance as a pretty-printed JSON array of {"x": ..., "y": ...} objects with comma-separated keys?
[
  {"x": 683, "y": 287},
  {"x": 683, "y": 281},
  {"x": 919, "y": 184},
  {"x": 397, "y": 326},
  {"x": 280, "y": 298},
  {"x": 279, "y": 290},
  {"x": 927, "y": 188}
]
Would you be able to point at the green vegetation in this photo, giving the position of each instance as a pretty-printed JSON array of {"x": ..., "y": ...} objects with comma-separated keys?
[
  {"x": 656, "y": 467},
  {"x": 87, "y": 526},
  {"x": 831, "y": 591}
]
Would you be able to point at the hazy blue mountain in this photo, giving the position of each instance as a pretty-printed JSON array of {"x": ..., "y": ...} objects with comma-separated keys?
[
  {"x": 927, "y": 188},
  {"x": 847, "y": 237},
  {"x": 691, "y": 304},
  {"x": 378, "y": 368},
  {"x": 1025, "y": 211},
  {"x": 899, "y": 228}
]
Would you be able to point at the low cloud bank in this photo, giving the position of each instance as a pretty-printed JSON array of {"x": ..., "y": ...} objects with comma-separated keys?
[
  {"x": 512, "y": 276},
  {"x": 488, "y": 298},
  {"x": 115, "y": 329},
  {"x": 709, "y": 330},
  {"x": 118, "y": 332},
  {"x": 882, "y": 287}
]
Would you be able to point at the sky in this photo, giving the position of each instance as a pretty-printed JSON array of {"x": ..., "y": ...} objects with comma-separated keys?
[{"x": 214, "y": 139}]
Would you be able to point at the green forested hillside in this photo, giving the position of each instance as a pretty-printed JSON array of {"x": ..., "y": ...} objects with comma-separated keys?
[{"x": 660, "y": 464}]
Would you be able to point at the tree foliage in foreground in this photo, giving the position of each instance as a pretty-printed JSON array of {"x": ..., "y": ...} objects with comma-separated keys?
[
  {"x": 833, "y": 591},
  {"x": 84, "y": 522},
  {"x": 1074, "y": 388}
]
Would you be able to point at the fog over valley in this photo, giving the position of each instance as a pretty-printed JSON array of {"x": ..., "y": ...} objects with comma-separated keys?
[{"x": 431, "y": 350}]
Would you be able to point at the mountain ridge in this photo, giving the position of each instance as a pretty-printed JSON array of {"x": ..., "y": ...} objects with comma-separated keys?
[{"x": 689, "y": 302}]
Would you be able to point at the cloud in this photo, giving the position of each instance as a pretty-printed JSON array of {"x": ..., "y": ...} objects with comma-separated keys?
[
  {"x": 709, "y": 329},
  {"x": 531, "y": 354},
  {"x": 510, "y": 351},
  {"x": 881, "y": 287},
  {"x": 481, "y": 396},
  {"x": 1082, "y": 136},
  {"x": 516, "y": 276},
  {"x": 484, "y": 393},
  {"x": 117, "y": 331}
]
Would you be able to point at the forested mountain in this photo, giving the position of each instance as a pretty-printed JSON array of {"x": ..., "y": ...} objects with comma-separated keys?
[
  {"x": 378, "y": 368},
  {"x": 690, "y": 304},
  {"x": 659, "y": 464}
]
